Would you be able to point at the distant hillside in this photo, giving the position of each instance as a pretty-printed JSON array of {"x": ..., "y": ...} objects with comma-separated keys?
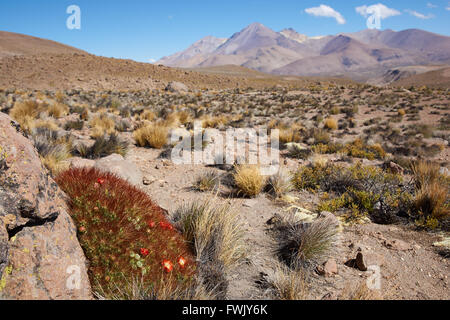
[
  {"x": 364, "y": 55},
  {"x": 433, "y": 79},
  {"x": 12, "y": 44}
]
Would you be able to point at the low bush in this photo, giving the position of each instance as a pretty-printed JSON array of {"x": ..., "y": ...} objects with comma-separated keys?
[
  {"x": 331, "y": 124},
  {"x": 74, "y": 125},
  {"x": 207, "y": 181},
  {"x": 303, "y": 245},
  {"x": 52, "y": 148},
  {"x": 153, "y": 136},
  {"x": 215, "y": 233},
  {"x": 125, "y": 235},
  {"x": 103, "y": 147},
  {"x": 280, "y": 183},
  {"x": 102, "y": 125},
  {"x": 248, "y": 180}
]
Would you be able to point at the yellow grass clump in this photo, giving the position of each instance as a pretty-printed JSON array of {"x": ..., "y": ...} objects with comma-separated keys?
[
  {"x": 101, "y": 125},
  {"x": 249, "y": 180},
  {"x": 152, "y": 135},
  {"x": 331, "y": 124}
]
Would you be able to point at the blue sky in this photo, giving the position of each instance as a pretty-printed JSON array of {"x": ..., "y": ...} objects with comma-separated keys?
[{"x": 148, "y": 29}]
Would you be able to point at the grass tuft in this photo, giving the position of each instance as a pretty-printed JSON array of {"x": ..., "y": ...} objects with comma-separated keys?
[{"x": 248, "y": 180}]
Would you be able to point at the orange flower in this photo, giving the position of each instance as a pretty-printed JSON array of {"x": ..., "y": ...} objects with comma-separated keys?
[
  {"x": 166, "y": 225},
  {"x": 182, "y": 262},
  {"x": 168, "y": 266}
]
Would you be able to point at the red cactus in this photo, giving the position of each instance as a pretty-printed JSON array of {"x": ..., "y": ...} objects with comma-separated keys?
[{"x": 121, "y": 220}]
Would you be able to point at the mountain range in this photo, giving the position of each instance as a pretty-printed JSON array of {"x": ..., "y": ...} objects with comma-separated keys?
[{"x": 362, "y": 56}]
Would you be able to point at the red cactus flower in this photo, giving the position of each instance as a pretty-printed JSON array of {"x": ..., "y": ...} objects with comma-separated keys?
[
  {"x": 100, "y": 181},
  {"x": 168, "y": 266},
  {"x": 165, "y": 225},
  {"x": 182, "y": 262},
  {"x": 151, "y": 224},
  {"x": 144, "y": 252},
  {"x": 82, "y": 229}
]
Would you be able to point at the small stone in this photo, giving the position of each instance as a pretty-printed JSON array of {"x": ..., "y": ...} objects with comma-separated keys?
[
  {"x": 328, "y": 269},
  {"x": 148, "y": 180},
  {"x": 360, "y": 262},
  {"x": 397, "y": 245}
]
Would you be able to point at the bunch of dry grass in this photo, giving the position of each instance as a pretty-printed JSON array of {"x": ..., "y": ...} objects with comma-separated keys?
[
  {"x": 52, "y": 149},
  {"x": 102, "y": 125},
  {"x": 148, "y": 115},
  {"x": 306, "y": 244},
  {"x": 431, "y": 198},
  {"x": 248, "y": 180},
  {"x": 24, "y": 110},
  {"x": 425, "y": 172},
  {"x": 361, "y": 292},
  {"x": 166, "y": 289},
  {"x": 216, "y": 234},
  {"x": 281, "y": 183},
  {"x": 154, "y": 136},
  {"x": 207, "y": 181},
  {"x": 331, "y": 124},
  {"x": 57, "y": 110},
  {"x": 288, "y": 284}
]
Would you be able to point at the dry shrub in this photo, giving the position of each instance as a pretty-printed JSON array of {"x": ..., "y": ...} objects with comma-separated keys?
[
  {"x": 148, "y": 115},
  {"x": 215, "y": 233},
  {"x": 52, "y": 149},
  {"x": 425, "y": 172},
  {"x": 331, "y": 124},
  {"x": 288, "y": 284},
  {"x": 25, "y": 110},
  {"x": 248, "y": 180},
  {"x": 57, "y": 110},
  {"x": 103, "y": 147},
  {"x": 306, "y": 244},
  {"x": 281, "y": 183},
  {"x": 431, "y": 198},
  {"x": 154, "y": 136},
  {"x": 287, "y": 135},
  {"x": 361, "y": 292},
  {"x": 207, "y": 181},
  {"x": 101, "y": 125},
  {"x": 124, "y": 234}
]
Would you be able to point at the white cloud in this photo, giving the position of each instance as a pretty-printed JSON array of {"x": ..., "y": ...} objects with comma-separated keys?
[
  {"x": 419, "y": 15},
  {"x": 326, "y": 11},
  {"x": 380, "y": 8},
  {"x": 151, "y": 60},
  {"x": 431, "y": 5}
]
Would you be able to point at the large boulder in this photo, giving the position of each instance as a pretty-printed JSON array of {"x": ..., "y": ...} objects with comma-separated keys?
[
  {"x": 40, "y": 257},
  {"x": 125, "y": 169}
]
